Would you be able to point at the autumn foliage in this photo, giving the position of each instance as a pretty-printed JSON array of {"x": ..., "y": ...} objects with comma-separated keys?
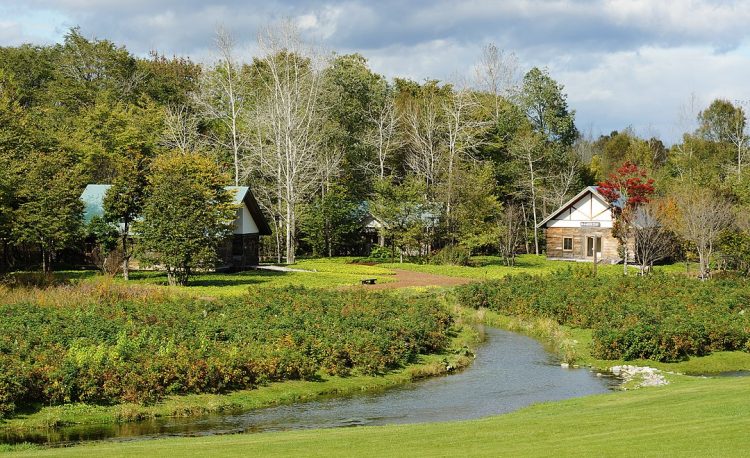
[{"x": 627, "y": 189}]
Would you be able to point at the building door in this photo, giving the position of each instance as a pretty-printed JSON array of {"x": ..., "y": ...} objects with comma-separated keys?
[{"x": 590, "y": 242}]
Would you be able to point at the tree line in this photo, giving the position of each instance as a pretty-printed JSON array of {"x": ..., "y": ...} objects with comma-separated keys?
[{"x": 464, "y": 167}]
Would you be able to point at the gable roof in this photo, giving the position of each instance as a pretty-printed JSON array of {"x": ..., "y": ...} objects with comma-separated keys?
[
  {"x": 242, "y": 194},
  {"x": 563, "y": 207},
  {"x": 93, "y": 203}
]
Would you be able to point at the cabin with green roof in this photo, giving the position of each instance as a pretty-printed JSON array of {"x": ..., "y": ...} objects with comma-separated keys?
[{"x": 240, "y": 251}]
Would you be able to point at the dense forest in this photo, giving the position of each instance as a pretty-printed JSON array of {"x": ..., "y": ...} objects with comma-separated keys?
[{"x": 450, "y": 168}]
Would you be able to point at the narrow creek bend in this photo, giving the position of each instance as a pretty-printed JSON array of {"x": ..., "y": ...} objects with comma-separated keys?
[{"x": 511, "y": 371}]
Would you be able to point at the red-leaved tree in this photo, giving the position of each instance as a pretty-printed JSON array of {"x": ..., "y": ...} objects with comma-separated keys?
[{"x": 626, "y": 190}]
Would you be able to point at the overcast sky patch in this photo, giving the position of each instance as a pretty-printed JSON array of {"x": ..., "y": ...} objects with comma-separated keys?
[{"x": 623, "y": 63}]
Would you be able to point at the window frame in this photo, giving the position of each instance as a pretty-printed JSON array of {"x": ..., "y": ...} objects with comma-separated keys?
[{"x": 565, "y": 239}]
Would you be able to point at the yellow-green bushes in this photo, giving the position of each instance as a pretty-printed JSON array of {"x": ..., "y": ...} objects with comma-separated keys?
[
  {"x": 106, "y": 344},
  {"x": 660, "y": 317}
]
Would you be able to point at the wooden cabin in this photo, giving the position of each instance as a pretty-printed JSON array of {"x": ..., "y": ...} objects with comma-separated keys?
[
  {"x": 581, "y": 229},
  {"x": 238, "y": 252}
]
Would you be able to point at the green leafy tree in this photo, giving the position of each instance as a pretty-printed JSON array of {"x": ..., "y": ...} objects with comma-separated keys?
[
  {"x": 725, "y": 124},
  {"x": 124, "y": 201},
  {"x": 186, "y": 215},
  {"x": 109, "y": 130},
  {"x": 408, "y": 218},
  {"x": 331, "y": 222},
  {"x": 477, "y": 207},
  {"x": 50, "y": 212},
  {"x": 353, "y": 94},
  {"x": 7, "y": 198},
  {"x": 103, "y": 238},
  {"x": 545, "y": 104}
]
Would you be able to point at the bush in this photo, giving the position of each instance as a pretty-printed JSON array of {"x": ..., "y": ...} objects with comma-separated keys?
[
  {"x": 452, "y": 255},
  {"x": 380, "y": 252},
  {"x": 102, "y": 343},
  {"x": 658, "y": 317}
]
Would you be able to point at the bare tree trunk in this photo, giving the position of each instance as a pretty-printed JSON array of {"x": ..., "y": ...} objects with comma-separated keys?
[
  {"x": 125, "y": 258},
  {"x": 289, "y": 122},
  {"x": 533, "y": 207},
  {"x": 221, "y": 98}
]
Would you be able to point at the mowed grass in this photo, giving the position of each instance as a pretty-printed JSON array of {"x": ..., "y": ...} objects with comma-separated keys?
[
  {"x": 323, "y": 273},
  {"x": 341, "y": 272},
  {"x": 691, "y": 417},
  {"x": 493, "y": 267},
  {"x": 714, "y": 363}
]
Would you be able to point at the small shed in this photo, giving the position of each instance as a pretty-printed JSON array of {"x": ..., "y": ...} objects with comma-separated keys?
[
  {"x": 581, "y": 229},
  {"x": 239, "y": 251}
]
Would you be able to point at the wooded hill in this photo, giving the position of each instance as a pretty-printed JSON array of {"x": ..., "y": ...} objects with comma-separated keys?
[{"x": 322, "y": 140}]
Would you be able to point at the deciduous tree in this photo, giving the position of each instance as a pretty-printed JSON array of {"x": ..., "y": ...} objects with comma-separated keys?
[
  {"x": 702, "y": 217},
  {"x": 50, "y": 212},
  {"x": 123, "y": 202},
  {"x": 626, "y": 191},
  {"x": 186, "y": 215}
]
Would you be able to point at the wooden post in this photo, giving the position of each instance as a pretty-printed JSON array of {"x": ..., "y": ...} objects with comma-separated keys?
[{"x": 596, "y": 240}]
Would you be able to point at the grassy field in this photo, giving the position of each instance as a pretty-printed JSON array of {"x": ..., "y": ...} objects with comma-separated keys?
[
  {"x": 691, "y": 417},
  {"x": 345, "y": 271},
  {"x": 493, "y": 267}
]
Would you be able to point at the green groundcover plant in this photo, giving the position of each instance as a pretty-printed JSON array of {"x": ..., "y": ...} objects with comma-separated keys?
[
  {"x": 103, "y": 343},
  {"x": 660, "y": 317}
]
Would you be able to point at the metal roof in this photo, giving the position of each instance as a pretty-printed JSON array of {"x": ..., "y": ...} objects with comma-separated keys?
[{"x": 93, "y": 203}]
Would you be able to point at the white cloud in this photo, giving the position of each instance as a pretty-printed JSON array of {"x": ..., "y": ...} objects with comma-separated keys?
[
  {"x": 646, "y": 87},
  {"x": 622, "y": 61}
]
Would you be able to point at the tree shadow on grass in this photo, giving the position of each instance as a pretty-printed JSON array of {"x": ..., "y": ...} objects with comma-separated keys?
[
  {"x": 213, "y": 279},
  {"x": 235, "y": 279}
]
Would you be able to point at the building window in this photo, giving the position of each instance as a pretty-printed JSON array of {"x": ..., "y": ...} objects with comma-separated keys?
[{"x": 568, "y": 243}]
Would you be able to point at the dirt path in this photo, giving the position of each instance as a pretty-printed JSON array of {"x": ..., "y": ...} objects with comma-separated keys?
[{"x": 406, "y": 278}]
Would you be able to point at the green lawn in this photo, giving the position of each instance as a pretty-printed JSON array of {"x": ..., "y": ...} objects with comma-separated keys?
[
  {"x": 323, "y": 273},
  {"x": 345, "y": 271},
  {"x": 493, "y": 267},
  {"x": 691, "y": 417}
]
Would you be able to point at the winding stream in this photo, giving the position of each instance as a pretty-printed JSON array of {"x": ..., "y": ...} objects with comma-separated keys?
[{"x": 511, "y": 371}]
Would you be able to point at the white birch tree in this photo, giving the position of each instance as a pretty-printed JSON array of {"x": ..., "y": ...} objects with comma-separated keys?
[
  {"x": 222, "y": 97},
  {"x": 181, "y": 129},
  {"x": 702, "y": 218},
  {"x": 383, "y": 134},
  {"x": 462, "y": 131},
  {"x": 288, "y": 123},
  {"x": 529, "y": 149},
  {"x": 425, "y": 132}
]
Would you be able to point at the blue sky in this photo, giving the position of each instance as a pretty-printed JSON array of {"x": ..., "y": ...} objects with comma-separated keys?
[{"x": 648, "y": 64}]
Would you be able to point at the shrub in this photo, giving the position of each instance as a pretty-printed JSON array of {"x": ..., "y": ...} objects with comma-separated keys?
[
  {"x": 658, "y": 317},
  {"x": 380, "y": 252},
  {"x": 102, "y": 343},
  {"x": 452, "y": 255}
]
